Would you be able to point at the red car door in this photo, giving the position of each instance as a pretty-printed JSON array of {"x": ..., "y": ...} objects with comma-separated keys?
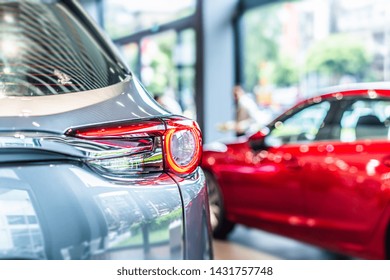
[
  {"x": 344, "y": 193},
  {"x": 264, "y": 186}
]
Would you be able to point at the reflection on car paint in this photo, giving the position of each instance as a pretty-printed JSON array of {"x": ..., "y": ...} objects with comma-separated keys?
[
  {"x": 84, "y": 216},
  {"x": 20, "y": 230},
  {"x": 130, "y": 226}
]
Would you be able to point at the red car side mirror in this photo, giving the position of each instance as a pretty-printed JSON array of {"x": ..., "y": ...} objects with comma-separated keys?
[
  {"x": 257, "y": 136},
  {"x": 257, "y": 141}
]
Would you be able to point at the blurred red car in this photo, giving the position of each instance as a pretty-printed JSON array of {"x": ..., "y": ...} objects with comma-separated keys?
[{"x": 319, "y": 173}]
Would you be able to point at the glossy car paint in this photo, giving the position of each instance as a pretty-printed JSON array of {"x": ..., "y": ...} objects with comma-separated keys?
[
  {"x": 54, "y": 206},
  {"x": 125, "y": 101},
  {"x": 196, "y": 209},
  {"x": 330, "y": 193},
  {"x": 79, "y": 215}
]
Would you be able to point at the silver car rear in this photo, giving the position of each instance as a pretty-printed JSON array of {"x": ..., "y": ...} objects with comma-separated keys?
[{"x": 65, "y": 195}]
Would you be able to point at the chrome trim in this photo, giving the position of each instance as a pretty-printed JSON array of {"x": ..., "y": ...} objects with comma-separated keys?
[
  {"x": 111, "y": 162},
  {"x": 75, "y": 147}
]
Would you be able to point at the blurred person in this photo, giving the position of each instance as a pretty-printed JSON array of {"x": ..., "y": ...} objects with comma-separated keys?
[
  {"x": 249, "y": 117},
  {"x": 268, "y": 99},
  {"x": 169, "y": 103}
]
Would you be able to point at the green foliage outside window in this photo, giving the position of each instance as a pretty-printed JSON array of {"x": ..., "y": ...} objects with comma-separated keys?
[{"x": 339, "y": 55}]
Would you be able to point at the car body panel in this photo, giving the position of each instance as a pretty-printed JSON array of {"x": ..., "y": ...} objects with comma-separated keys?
[
  {"x": 65, "y": 211},
  {"x": 123, "y": 101},
  {"x": 353, "y": 185},
  {"x": 196, "y": 209}
]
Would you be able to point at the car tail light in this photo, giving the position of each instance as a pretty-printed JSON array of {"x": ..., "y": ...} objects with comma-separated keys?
[
  {"x": 182, "y": 145},
  {"x": 126, "y": 149}
]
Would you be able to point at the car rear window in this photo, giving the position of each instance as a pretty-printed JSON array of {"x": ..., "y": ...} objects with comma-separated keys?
[{"x": 45, "y": 49}]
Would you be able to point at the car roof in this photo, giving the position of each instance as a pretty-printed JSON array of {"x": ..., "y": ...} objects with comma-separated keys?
[
  {"x": 340, "y": 92},
  {"x": 368, "y": 90},
  {"x": 359, "y": 88}
]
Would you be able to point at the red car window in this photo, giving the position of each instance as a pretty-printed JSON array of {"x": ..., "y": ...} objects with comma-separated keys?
[
  {"x": 299, "y": 128},
  {"x": 365, "y": 119}
]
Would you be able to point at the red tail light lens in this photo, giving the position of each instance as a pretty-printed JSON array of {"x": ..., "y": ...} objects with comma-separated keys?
[
  {"x": 119, "y": 131},
  {"x": 182, "y": 146},
  {"x": 123, "y": 150}
]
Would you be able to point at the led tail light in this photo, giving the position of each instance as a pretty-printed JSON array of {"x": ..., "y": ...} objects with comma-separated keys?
[
  {"x": 126, "y": 149},
  {"x": 182, "y": 145}
]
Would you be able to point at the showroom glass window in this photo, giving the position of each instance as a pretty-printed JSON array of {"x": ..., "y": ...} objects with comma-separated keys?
[
  {"x": 131, "y": 54},
  {"x": 127, "y": 17},
  {"x": 168, "y": 67},
  {"x": 294, "y": 48},
  {"x": 164, "y": 59}
]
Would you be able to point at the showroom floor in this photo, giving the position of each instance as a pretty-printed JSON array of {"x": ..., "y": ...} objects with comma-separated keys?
[{"x": 246, "y": 243}]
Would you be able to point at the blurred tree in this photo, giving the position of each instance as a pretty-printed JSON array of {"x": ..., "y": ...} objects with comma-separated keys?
[
  {"x": 161, "y": 61},
  {"x": 285, "y": 73},
  {"x": 260, "y": 46},
  {"x": 264, "y": 62},
  {"x": 339, "y": 55}
]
